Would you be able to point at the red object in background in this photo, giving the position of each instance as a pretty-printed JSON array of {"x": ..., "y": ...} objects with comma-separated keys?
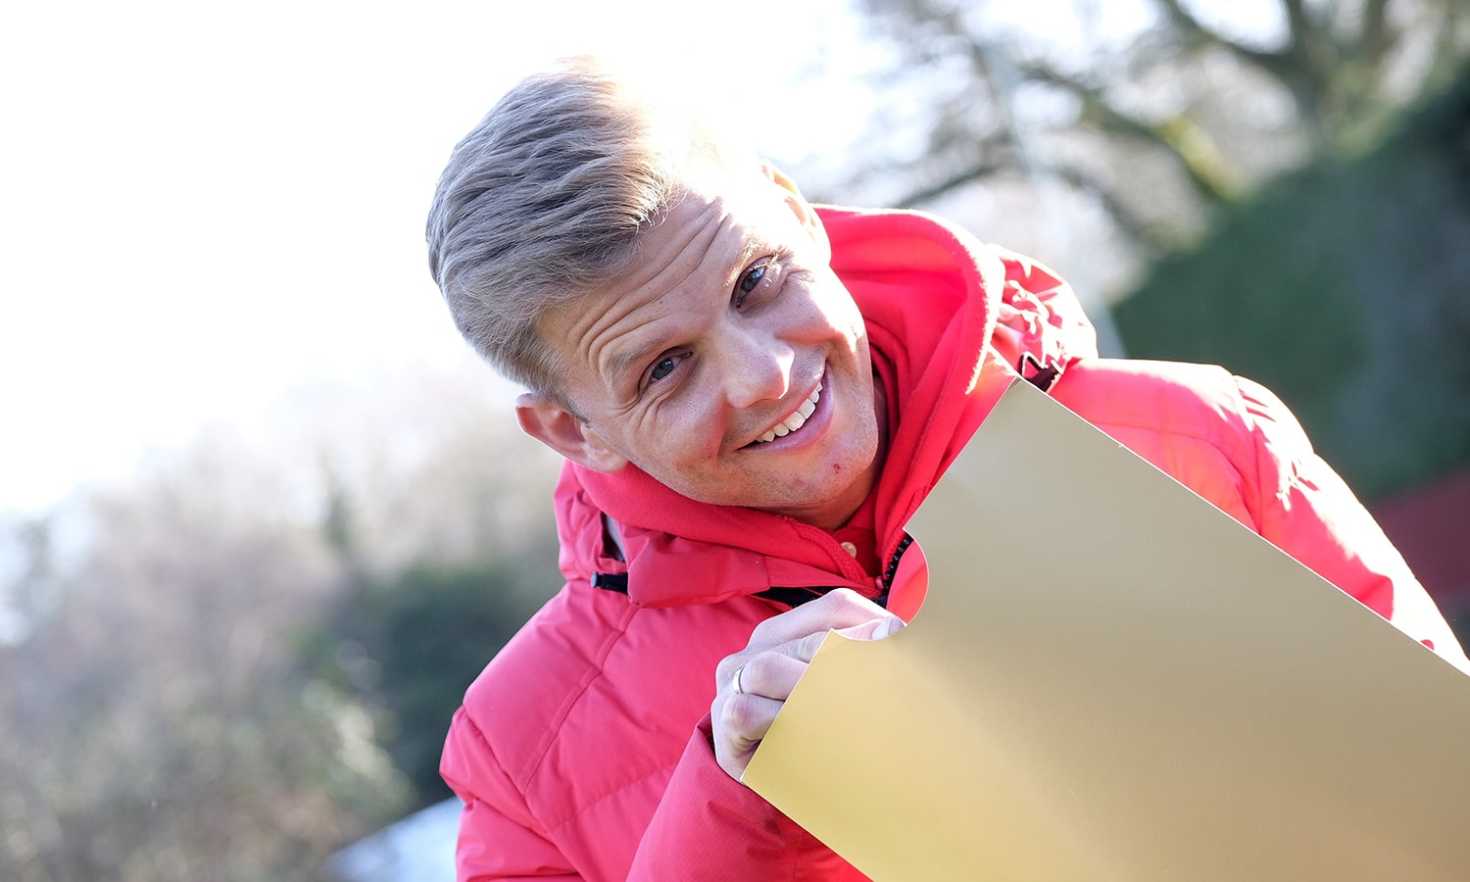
[{"x": 1431, "y": 528}]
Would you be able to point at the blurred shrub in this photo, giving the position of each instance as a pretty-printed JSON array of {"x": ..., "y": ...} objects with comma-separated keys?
[
  {"x": 410, "y": 643},
  {"x": 1343, "y": 288},
  {"x": 442, "y": 563},
  {"x": 225, "y": 670},
  {"x": 154, "y": 729}
]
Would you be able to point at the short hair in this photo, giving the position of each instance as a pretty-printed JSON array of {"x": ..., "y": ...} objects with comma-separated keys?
[{"x": 543, "y": 200}]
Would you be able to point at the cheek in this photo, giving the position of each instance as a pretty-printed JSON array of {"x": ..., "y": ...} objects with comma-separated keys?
[
  {"x": 836, "y": 309},
  {"x": 683, "y": 436}
]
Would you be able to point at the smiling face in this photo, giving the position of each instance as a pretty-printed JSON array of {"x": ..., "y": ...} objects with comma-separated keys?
[{"x": 726, "y": 360}]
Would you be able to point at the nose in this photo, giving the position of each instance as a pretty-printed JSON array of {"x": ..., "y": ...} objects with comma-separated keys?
[{"x": 756, "y": 366}]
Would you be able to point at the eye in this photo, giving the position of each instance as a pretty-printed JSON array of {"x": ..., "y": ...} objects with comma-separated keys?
[
  {"x": 752, "y": 278},
  {"x": 665, "y": 366},
  {"x": 750, "y": 281}
]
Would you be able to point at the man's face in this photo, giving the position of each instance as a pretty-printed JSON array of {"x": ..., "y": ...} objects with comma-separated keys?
[{"x": 698, "y": 359}]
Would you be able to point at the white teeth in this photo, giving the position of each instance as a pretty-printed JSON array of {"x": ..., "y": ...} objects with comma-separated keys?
[{"x": 796, "y": 420}]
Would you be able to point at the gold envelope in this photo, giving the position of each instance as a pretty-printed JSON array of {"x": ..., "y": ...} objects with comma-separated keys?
[{"x": 1111, "y": 679}]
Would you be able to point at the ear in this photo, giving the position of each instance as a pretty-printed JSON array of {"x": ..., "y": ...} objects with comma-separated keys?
[
  {"x": 800, "y": 207},
  {"x": 551, "y": 423}
]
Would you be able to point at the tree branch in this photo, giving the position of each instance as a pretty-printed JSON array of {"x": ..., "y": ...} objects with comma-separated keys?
[
  {"x": 1275, "y": 63},
  {"x": 1299, "y": 21},
  {"x": 933, "y": 191},
  {"x": 1143, "y": 234},
  {"x": 1188, "y": 143},
  {"x": 975, "y": 156},
  {"x": 1135, "y": 228},
  {"x": 1374, "y": 39}
]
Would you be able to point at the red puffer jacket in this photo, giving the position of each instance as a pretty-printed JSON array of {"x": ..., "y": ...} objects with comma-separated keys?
[{"x": 580, "y": 752}]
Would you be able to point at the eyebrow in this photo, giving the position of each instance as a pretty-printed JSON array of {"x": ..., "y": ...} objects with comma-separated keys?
[{"x": 621, "y": 363}]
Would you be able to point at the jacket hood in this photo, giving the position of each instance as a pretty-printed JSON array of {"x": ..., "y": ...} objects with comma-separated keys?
[{"x": 951, "y": 319}]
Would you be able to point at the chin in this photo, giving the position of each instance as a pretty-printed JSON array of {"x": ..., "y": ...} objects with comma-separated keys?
[{"x": 847, "y": 477}]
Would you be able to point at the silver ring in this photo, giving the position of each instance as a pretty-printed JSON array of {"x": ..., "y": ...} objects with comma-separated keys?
[{"x": 739, "y": 690}]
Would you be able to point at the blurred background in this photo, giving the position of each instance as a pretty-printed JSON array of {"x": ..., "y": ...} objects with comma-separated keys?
[{"x": 263, "y": 516}]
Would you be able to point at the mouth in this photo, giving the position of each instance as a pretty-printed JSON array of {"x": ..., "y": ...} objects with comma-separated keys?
[{"x": 787, "y": 431}]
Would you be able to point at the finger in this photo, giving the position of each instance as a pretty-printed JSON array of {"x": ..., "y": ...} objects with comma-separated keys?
[
  {"x": 805, "y": 648},
  {"x": 771, "y": 674},
  {"x": 744, "y": 720},
  {"x": 877, "y": 629},
  {"x": 838, "y": 608}
]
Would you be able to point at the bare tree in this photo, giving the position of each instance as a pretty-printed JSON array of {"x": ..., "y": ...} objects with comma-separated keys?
[
  {"x": 155, "y": 728},
  {"x": 1186, "y": 107},
  {"x": 162, "y": 719}
]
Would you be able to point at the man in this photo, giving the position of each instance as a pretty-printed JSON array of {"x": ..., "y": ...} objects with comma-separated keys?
[{"x": 752, "y": 396}]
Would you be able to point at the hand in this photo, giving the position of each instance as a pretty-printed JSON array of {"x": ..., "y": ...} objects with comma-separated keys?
[{"x": 779, "y": 651}]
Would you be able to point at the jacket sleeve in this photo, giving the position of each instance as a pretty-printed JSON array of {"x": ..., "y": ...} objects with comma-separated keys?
[
  {"x": 711, "y": 828},
  {"x": 1306, "y": 510},
  {"x": 498, "y": 837},
  {"x": 708, "y": 827}
]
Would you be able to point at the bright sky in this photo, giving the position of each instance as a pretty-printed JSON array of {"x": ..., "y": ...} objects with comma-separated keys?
[{"x": 207, "y": 208}]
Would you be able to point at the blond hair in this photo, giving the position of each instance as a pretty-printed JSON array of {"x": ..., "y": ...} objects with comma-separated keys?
[{"x": 542, "y": 201}]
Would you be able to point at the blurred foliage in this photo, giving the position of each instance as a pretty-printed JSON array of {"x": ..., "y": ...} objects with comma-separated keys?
[
  {"x": 409, "y": 630},
  {"x": 1343, "y": 288},
  {"x": 154, "y": 728},
  {"x": 1160, "y": 127},
  {"x": 409, "y": 644},
  {"x": 232, "y": 667}
]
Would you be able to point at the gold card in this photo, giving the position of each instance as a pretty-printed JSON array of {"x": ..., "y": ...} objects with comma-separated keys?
[{"x": 1111, "y": 679}]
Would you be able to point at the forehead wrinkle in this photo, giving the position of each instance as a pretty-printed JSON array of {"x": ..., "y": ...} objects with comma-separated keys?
[
  {"x": 594, "y": 322},
  {"x": 689, "y": 259}
]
